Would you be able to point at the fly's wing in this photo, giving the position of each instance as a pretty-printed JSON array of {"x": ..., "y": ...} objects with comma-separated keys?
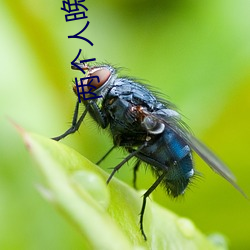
[
  {"x": 175, "y": 124},
  {"x": 212, "y": 160}
]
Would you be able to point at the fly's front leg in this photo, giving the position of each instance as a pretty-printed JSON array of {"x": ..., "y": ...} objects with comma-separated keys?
[
  {"x": 95, "y": 112},
  {"x": 75, "y": 124}
]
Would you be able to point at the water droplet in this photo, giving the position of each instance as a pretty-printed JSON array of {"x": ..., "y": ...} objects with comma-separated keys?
[
  {"x": 187, "y": 227},
  {"x": 94, "y": 185}
]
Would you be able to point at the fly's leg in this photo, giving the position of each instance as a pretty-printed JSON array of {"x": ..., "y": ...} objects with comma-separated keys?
[
  {"x": 75, "y": 124},
  {"x": 105, "y": 155},
  {"x": 145, "y": 196},
  {"x": 136, "y": 167},
  {"x": 124, "y": 161}
]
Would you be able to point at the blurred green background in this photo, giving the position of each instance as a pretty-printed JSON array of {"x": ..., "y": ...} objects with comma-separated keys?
[{"x": 197, "y": 53}]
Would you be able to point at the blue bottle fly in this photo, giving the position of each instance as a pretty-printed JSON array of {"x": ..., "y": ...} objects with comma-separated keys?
[{"x": 148, "y": 127}]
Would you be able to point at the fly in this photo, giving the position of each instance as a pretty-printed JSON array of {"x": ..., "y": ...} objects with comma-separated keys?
[{"x": 149, "y": 128}]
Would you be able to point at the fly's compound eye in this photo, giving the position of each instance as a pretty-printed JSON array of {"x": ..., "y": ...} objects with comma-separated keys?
[
  {"x": 99, "y": 76},
  {"x": 94, "y": 80},
  {"x": 153, "y": 126}
]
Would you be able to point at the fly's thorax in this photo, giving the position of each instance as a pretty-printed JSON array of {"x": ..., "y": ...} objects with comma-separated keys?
[
  {"x": 152, "y": 125},
  {"x": 154, "y": 122}
]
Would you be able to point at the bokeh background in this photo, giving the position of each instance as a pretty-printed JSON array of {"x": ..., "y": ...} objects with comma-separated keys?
[{"x": 195, "y": 52}]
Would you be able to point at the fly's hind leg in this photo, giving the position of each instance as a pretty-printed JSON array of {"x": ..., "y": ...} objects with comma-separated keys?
[{"x": 145, "y": 196}]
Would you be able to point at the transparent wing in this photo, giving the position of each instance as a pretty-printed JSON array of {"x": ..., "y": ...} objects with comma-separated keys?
[
  {"x": 175, "y": 124},
  {"x": 208, "y": 156}
]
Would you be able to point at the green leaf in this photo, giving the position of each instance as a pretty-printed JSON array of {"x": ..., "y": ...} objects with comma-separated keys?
[{"x": 107, "y": 215}]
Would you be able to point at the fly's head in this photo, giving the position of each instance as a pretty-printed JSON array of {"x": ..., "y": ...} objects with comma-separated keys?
[{"x": 97, "y": 81}]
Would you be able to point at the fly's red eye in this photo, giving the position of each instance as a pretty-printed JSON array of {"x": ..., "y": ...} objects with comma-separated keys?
[
  {"x": 91, "y": 84},
  {"x": 103, "y": 75}
]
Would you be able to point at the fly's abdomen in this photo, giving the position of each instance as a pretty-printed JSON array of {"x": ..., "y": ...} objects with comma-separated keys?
[
  {"x": 180, "y": 166},
  {"x": 178, "y": 176},
  {"x": 168, "y": 154}
]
